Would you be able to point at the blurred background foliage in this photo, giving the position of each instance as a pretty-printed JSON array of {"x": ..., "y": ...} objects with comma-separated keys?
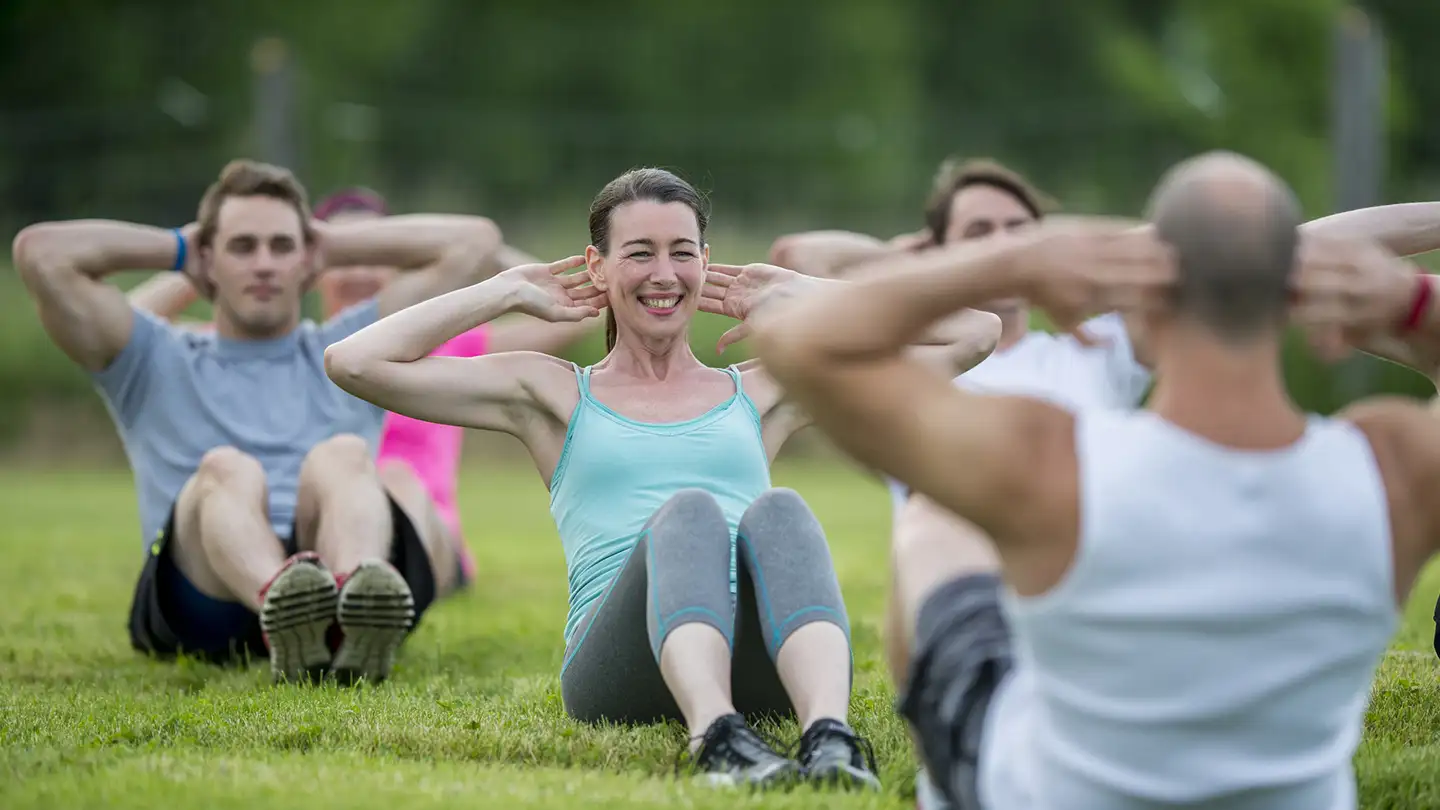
[{"x": 795, "y": 115}]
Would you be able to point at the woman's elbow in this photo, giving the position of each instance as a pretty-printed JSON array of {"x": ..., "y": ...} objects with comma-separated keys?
[{"x": 345, "y": 367}]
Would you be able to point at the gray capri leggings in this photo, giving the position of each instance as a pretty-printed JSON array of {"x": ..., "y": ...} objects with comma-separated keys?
[{"x": 679, "y": 572}]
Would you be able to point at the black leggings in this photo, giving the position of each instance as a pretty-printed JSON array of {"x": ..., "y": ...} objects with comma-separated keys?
[{"x": 678, "y": 573}]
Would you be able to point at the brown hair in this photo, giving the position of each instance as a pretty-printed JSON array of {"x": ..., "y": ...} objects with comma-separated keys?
[
  {"x": 249, "y": 178},
  {"x": 956, "y": 174},
  {"x": 655, "y": 185}
]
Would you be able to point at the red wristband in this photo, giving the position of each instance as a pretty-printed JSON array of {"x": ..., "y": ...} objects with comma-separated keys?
[{"x": 1420, "y": 304}]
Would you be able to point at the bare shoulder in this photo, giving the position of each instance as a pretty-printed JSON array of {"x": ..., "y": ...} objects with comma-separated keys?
[
  {"x": 1404, "y": 435},
  {"x": 759, "y": 385}
]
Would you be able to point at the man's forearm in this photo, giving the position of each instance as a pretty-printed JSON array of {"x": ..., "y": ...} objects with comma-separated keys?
[
  {"x": 898, "y": 305},
  {"x": 828, "y": 254},
  {"x": 407, "y": 242},
  {"x": 96, "y": 248},
  {"x": 1416, "y": 341},
  {"x": 1405, "y": 229}
]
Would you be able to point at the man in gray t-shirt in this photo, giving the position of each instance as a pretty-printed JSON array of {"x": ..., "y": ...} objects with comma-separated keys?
[{"x": 255, "y": 474}]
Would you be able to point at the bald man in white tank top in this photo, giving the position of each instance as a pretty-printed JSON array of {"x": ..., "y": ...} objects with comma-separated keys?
[
  {"x": 1107, "y": 370},
  {"x": 1195, "y": 597}
]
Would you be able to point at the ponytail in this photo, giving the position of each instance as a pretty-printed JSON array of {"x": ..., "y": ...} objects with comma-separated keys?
[{"x": 609, "y": 329}]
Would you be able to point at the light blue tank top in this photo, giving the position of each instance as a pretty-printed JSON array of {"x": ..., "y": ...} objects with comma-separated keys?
[{"x": 614, "y": 473}]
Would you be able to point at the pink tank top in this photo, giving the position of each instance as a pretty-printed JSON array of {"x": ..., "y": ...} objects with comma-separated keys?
[{"x": 431, "y": 450}]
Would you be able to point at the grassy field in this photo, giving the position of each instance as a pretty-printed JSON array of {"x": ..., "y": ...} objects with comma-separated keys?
[{"x": 473, "y": 716}]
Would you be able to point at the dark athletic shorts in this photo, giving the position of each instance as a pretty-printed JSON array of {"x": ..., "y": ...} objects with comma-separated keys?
[
  {"x": 962, "y": 654},
  {"x": 169, "y": 616}
]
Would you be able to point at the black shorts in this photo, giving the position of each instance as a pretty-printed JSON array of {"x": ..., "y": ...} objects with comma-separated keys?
[
  {"x": 962, "y": 655},
  {"x": 230, "y": 633}
]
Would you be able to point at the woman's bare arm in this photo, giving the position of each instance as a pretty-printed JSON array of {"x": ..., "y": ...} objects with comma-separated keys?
[{"x": 388, "y": 363}]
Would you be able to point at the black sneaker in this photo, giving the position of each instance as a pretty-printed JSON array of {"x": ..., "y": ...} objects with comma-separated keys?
[
  {"x": 832, "y": 753},
  {"x": 1437, "y": 625},
  {"x": 731, "y": 753}
]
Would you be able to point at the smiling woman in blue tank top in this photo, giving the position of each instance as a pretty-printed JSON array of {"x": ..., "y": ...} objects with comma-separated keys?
[{"x": 697, "y": 590}]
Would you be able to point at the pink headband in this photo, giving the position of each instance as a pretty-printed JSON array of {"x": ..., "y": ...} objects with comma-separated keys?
[{"x": 353, "y": 199}]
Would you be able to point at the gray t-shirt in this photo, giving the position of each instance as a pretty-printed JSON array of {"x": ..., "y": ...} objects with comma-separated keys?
[{"x": 175, "y": 394}]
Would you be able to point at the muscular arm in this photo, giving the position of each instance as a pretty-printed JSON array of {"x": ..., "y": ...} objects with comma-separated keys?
[
  {"x": 445, "y": 253},
  {"x": 828, "y": 254},
  {"x": 952, "y": 346},
  {"x": 1405, "y": 229},
  {"x": 387, "y": 363},
  {"x": 1405, "y": 440},
  {"x": 63, "y": 266},
  {"x": 973, "y": 454}
]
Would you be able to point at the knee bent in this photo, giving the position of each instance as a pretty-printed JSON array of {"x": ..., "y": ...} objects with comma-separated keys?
[
  {"x": 227, "y": 467},
  {"x": 777, "y": 503},
  {"x": 693, "y": 510},
  {"x": 692, "y": 505},
  {"x": 344, "y": 451}
]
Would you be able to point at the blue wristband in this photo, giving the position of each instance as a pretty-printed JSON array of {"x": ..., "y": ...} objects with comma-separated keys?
[{"x": 180, "y": 250}]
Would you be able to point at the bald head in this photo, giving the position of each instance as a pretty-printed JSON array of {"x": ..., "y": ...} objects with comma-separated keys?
[{"x": 1233, "y": 226}]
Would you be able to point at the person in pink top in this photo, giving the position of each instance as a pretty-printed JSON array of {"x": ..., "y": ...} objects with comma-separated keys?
[{"x": 412, "y": 453}]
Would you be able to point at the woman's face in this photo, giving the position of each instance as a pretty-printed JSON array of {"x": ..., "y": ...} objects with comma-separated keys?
[{"x": 655, "y": 268}]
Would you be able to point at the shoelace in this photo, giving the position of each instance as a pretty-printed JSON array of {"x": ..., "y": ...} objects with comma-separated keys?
[
  {"x": 763, "y": 744},
  {"x": 817, "y": 733}
]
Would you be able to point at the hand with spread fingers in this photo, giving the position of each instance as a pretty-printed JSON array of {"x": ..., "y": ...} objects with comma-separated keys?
[
  {"x": 1350, "y": 292},
  {"x": 553, "y": 293},
  {"x": 738, "y": 291},
  {"x": 1082, "y": 267}
]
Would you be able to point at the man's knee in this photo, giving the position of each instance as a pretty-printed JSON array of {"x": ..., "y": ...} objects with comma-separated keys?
[
  {"x": 228, "y": 469},
  {"x": 346, "y": 449},
  {"x": 338, "y": 458},
  {"x": 403, "y": 484},
  {"x": 931, "y": 547}
]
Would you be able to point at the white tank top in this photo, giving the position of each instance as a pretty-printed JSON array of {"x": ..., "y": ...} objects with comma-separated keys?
[
  {"x": 1214, "y": 641},
  {"x": 1061, "y": 371}
]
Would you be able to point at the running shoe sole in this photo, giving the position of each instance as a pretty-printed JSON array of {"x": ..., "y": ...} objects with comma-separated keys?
[
  {"x": 845, "y": 777},
  {"x": 783, "y": 776},
  {"x": 298, "y": 610},
  {"x": 376, "y": 612}
]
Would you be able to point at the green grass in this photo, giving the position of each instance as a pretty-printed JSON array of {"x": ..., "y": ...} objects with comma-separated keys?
[{"x": 473, "y": 715}]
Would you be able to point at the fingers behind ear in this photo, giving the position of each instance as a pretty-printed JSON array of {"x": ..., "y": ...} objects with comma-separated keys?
[{"x": 732, "y": 336}]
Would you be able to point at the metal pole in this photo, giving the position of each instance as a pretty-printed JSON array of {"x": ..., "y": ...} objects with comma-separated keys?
[
  {"x": 1358, "y": 88},
  {"x": 275, "y": 133}
]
